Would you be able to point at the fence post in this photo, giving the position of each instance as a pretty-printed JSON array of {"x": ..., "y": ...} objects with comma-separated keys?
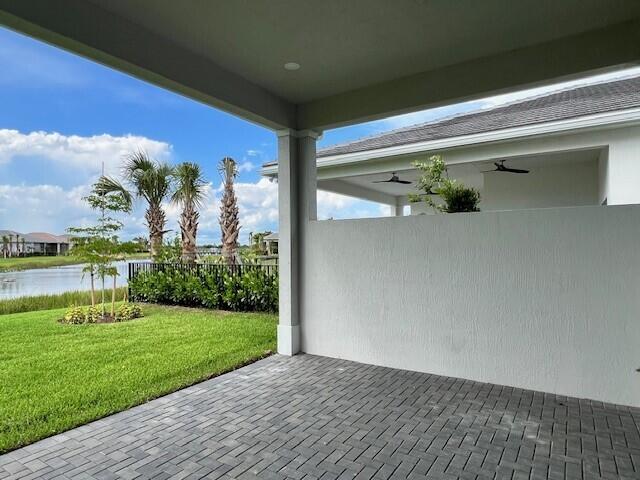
[{"x": 130, "y": 268}]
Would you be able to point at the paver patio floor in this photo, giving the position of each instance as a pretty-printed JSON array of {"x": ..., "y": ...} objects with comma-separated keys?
[{"x": 308, "y": 417}]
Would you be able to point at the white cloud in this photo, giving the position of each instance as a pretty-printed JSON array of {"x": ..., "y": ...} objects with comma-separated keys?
[
  {"x": 79, "y": 153},
  {"x": 254, "y": 153},
  {"x": 246, "y": 167},
  {"x": 55, "y": 208},
  {"x": 258, "y": 205},
  {"x": 42, "y": 208},
  {"x": 52, "y": 208}
]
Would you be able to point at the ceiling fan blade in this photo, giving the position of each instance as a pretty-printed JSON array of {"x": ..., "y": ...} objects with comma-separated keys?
[
  {"x": 404, "y": 182},
  {"x": 515, "y": 170}
]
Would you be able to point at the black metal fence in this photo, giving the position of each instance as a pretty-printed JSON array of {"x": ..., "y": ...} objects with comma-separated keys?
[
  {"x": 136, "y": 268},
  {"x": 228, "y": 287}
]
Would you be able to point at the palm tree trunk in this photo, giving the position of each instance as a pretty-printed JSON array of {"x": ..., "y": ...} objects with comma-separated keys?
[
  {"x": 156, "y": 221},
  {"x": 189, "y": 231},
  {"x": 156, "y": 246}
]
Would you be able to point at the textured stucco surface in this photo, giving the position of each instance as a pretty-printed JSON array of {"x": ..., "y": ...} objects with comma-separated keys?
[{"x": 544, "y": 299}]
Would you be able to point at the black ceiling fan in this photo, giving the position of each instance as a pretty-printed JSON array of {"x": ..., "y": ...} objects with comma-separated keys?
[
  {"x": 394, "y": 179},
  {"x": 501, "y": 168}
]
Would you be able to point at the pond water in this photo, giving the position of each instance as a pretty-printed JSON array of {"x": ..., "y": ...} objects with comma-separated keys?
[{"x": 51, "y": 281}]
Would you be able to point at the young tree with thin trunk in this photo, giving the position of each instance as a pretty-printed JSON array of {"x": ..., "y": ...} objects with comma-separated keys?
[
  {"x": 229, "y": 213},
  {"x": 189, "y": 194},
  {"x": 98, "y": 245}
]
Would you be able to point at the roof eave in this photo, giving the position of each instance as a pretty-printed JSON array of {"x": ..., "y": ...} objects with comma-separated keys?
[{"x": 602, "y": 120}]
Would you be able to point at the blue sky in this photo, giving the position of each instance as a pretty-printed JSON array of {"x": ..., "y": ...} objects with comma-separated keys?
[{"x": 61, "y": 116}]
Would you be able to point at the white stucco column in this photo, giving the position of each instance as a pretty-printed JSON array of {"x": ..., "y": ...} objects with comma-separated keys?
[
  {"x": 620, "y": 174},
  {"x": 297, "y": 184},
  {"x": 397, "y": 210}
]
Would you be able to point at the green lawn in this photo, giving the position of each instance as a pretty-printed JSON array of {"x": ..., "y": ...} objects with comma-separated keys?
[
  {"x": 54, "y": 377},
  {"x": 15, "y": 264}
]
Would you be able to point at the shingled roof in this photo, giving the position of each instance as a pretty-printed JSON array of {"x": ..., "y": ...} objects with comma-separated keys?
[{"x": 560, "y": 105}]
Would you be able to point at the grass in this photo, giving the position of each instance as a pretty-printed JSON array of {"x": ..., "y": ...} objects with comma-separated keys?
[
  {"x": 54, "y": 377},
  {"x": 15, "y": 264},
  {"x": 48, "y": 302}
]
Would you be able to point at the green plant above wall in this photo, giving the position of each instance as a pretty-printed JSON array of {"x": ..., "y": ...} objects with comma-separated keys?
[{"x": 434, "y": 182}]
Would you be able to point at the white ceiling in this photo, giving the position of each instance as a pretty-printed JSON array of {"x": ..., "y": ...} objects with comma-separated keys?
[{"x": 343, "y": 45}]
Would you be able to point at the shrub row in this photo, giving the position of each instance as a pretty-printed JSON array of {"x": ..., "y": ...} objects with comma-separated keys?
[{"x": 252, "y": 290}]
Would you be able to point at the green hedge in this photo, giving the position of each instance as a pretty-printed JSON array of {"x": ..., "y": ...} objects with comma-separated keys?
[{"x": 251, "y": 290}]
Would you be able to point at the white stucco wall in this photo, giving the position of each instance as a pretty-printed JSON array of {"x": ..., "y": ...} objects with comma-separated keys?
[
  {"x": 544, "y": 299},
  {"x": 561, "y": 185}
]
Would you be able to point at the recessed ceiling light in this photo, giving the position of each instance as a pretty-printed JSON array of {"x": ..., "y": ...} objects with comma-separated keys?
[{"x": 292, "y": 66}]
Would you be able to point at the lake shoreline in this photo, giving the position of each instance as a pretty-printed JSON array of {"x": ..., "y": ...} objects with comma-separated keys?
[
  {"x": 52, "y": 281},
  {"x": 21, "y": 264}
]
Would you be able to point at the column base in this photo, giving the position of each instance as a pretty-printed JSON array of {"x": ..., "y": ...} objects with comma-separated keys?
[{"x": 288, "y": 339}]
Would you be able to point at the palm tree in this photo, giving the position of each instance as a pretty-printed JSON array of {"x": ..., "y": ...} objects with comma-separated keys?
[
  {"x": 188, "y": 193},
  {"x": 151, "y": 181},
  {"x": 5, "y": 243},
  {"x": 229, "y": 221}
]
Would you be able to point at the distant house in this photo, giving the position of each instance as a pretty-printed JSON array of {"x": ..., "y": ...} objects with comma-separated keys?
[
  {"x": 14, "y": 243},
  {"x": 42, "y": 243},
  {"x": 271, "y": 243}
]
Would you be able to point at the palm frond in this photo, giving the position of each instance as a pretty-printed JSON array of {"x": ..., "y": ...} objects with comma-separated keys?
[
  {"x": 106, "y": 185},
  {"x": 137, "y": 162},
  {"x": 150, "y": 180},
  {"x": 228, "y": 169},
  {"x": 190, "y": 184}
]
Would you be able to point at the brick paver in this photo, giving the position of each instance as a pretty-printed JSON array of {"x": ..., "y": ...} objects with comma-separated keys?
[{"x": 309, "y": 417}]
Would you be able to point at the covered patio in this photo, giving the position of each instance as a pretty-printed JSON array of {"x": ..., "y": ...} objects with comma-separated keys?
[
  {"x": 497, "y": 303},
  {"x": 309, "y": 417}
]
